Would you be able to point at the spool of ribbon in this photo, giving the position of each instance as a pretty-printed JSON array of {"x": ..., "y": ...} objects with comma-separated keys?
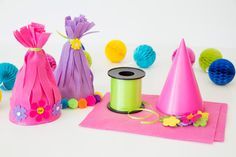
[{"x": 126, "y": 90}]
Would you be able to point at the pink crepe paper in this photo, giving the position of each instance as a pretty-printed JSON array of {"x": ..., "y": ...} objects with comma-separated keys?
[
  {"x": 102, "y": 118},
  {"x": 36, "y": 97}
]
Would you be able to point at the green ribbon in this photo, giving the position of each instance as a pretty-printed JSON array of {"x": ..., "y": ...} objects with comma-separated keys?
[
  {"x": 35, "y": 49},
  {"x": 125, "y": 95},
  {"x": 62, "y": 35}
]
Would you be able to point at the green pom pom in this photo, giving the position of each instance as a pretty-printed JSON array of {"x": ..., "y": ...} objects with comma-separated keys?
[
  {"x": 88, "y": 57},
  {"x": 207, "y": 57},
  {"x": 73, "y": 103}
]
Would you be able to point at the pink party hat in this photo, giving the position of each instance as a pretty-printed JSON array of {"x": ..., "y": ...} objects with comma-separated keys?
[
  {"x": 180, "y": 94},
  {"x": 35, "y": 98}
]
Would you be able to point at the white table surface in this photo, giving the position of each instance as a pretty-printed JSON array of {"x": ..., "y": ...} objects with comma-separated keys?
[{"x": 162, "y": 24}]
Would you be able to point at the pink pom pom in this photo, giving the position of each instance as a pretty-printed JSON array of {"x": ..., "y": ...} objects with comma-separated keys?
[
  {"x": 52, "y": 62},
  {"x": 91, "y": 100}
]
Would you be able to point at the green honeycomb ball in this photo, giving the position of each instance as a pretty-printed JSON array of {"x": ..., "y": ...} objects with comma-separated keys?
[
  {"x": 88, "y": 57},
  {"x": 207, "y": 57}
]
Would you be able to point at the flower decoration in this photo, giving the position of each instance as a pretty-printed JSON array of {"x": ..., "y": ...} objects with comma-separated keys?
[
  {"x": 196, "y": 119},
  {"x": 19, "y": 113},
  {"x": 171, "y": 121},
  {"x": 189, "y": 119},
  {"x": 202, "y": 122},
  {"x": 75, "y": 44},
  {"x": 40, "y": 111},
  {"x": 56, "y": 109}
]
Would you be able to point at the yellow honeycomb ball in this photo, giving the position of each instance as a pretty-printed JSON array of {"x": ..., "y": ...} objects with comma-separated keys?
[{"x": 115, "y": 51}]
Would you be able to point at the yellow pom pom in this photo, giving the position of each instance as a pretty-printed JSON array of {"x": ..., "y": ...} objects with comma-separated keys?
[
  {"x": 115, "y": 51},
  {"x": 75, "y": 44},
  {"x": 0, "y": 96},
  {"x": 99, "y": 93}
]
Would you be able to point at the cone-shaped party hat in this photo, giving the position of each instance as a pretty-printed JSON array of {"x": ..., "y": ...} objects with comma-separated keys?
[{"x": 180, "y": 94}]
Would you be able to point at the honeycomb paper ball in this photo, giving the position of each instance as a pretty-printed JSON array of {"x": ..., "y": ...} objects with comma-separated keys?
[
  {"x": 52, "y": 61},
  {"x": 88, "y": 57},
  {"x": 221, "y": 72},
  {"x": 207, "y": 57},
  {"x": 144, "y": 56},
  {"x": 191, "y": 55},
  {"x": 8, "y": 74},
  {"x": 115, "y": 51},
  {"x": 73, "y": 103}
]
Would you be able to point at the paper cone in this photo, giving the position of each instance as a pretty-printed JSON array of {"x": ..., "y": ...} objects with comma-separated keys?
[{"x": 180, "y": 94}]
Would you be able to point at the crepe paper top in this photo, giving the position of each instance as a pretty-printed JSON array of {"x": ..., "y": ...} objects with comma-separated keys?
[
  {"x": 35, "y": 98},
  {"x": 73, "y": 75},
  {"x": 180, "y": 94}
]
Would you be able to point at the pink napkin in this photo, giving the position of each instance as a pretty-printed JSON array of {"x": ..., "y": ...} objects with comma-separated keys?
[{"x": 102, "y": 118}]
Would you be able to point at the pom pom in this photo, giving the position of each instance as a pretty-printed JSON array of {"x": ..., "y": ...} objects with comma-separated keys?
[
  {"x": 88, "y": 57},
  {"x": 0, "y": 96},
  {"x": 91, "y": 100},
  {"x": 221, "y": 72},
  {"x": 144, "y": 56},
  {"x": 98, "y": 98},
  {"x": 52, "y": 62},
  {"x": 82, "y": 103},
  {"x": 207, "y": 57},
  {"x": 115, "y": 51},
  {"x": 99, "y": 93},
  {"x": 191, "y": 55},
  {"x": 64, "y": 103},
  {"x": 73, "y": 103},
  {"x": 8, "y": 73}
]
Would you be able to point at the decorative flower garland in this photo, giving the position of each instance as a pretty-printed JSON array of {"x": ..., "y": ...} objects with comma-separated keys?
[
  {"x": 73, "y": 103},
  {"x": 198, "y": 119}
]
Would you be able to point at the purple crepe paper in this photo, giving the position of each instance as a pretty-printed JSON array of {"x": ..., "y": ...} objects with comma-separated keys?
[{"x": 73, "y": 75}]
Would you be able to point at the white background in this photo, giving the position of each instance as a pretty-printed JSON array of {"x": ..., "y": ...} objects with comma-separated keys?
[{"x": 161, "y": 24}]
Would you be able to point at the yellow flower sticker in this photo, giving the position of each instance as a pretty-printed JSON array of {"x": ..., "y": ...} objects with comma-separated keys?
[
  {"x": 75, "y": 44},
  {"x": 170, "y": 121},
  {"x": 205, "y": 115}
]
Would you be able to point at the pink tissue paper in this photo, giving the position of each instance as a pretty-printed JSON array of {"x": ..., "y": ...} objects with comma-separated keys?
[{"x": 102, "y": 118}]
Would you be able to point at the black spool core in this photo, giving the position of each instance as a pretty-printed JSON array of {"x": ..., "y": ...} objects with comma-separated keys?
[
  {"x": 124, "y": 112},
  {"x": 126, "y": 73}
]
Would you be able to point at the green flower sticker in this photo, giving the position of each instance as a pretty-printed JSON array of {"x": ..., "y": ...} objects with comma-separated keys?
[{"x": 202, "y": 122}]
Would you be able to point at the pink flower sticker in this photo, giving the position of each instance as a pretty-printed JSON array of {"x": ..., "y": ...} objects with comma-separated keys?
[{"x": 40, "y": 111}]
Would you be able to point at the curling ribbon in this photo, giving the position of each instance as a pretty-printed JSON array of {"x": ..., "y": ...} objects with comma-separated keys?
[
  {"x": 142, "y": 118},
  {"x": 75, "y": 43}
]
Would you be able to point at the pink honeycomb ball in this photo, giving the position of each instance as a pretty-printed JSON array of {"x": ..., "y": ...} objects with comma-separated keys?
[
  {"x": 52, "y": 62},
  {"x": 191, "y": 55}
]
